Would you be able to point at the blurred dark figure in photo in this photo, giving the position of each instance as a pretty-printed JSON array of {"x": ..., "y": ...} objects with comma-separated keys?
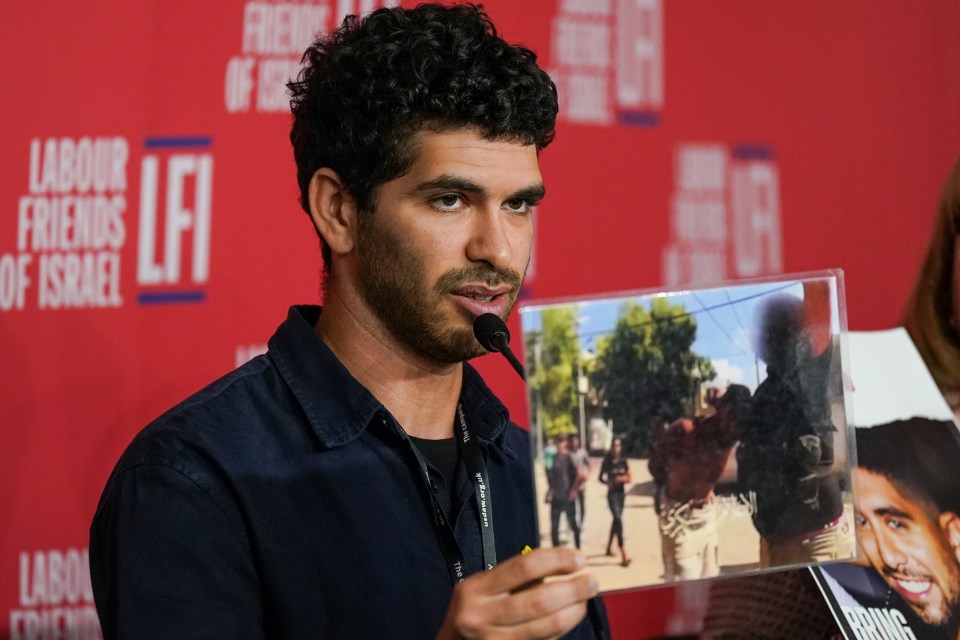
[
  {"x": 686, "y": 462},
  {"x": 564, "y": 480},
  {"x": 615, "y": 473},
  {"x": 932, "y": 316},
  {"x": 786, "y": 454}
]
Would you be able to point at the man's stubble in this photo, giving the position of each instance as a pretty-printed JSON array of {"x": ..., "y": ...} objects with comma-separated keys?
[{"x": 392, "y": 280}]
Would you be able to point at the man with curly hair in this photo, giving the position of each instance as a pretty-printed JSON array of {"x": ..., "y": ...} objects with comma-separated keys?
[{"x": 359, "y": 480}]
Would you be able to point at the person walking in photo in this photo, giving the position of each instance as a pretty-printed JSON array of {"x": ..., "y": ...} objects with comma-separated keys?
[
  {"x": 563, "y": 494},
  {"x": 615, "y": 473},
  {"x": 582, "y": 460}
]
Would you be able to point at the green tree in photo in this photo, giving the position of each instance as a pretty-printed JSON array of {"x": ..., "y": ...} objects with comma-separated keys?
[
  {"x": 646, "y": 372},
  {"x": 552, "y": 372}
]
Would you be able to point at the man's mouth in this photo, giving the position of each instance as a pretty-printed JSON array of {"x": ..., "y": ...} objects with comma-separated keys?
[
  {"x": 483, "y": 293},
  {"x": 914, "y": 589},
  {"x": 479, "y": 299}
]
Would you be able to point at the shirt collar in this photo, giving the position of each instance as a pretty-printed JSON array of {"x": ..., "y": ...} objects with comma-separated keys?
[{"x": 337, "y": 406}]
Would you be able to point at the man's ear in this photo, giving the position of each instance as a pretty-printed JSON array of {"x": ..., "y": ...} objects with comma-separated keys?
[
  {"x": 333, "y": 211},
  {"x": 950, "y": 525}
]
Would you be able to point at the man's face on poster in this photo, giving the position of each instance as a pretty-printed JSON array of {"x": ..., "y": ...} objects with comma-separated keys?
[{"x": 912, "y": 546}]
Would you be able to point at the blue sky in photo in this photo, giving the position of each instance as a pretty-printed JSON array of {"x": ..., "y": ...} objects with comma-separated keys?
[{"x": 726, "y": 323}]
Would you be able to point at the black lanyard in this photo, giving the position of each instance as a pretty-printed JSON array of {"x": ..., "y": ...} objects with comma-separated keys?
[{"x": 477, "y": 469}]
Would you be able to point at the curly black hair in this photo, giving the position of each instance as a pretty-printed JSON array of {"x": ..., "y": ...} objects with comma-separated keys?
[{"x": 368, "y": 87}]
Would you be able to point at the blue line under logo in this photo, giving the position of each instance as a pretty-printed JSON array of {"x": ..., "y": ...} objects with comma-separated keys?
[
  {"x": 752, "y": 152},
  {"x": 171, "y": 297},
  {"x": 639, "y": 118},
  {"x": 178, "y": 142}
]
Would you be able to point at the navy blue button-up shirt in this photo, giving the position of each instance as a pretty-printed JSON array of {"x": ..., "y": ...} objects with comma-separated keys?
[{"x": 284, "y": 501}]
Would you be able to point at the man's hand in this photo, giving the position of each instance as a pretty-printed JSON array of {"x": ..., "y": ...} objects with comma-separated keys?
[{"x": 513, "y": 602}]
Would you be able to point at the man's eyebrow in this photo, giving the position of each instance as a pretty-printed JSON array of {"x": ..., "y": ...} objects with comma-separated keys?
[
  {"x": 893, "y": 511},
  {"x": 449, "y": 181},
  {"x": 534, "y": 193}
]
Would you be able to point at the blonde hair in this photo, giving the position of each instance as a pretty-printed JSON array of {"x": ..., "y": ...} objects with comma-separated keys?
[{"x": 929, "y": 316}]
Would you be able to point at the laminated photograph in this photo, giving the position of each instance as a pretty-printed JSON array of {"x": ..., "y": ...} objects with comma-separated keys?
[
  {"x": 907, "y": 503},
  {"x": 692, "y": 434}
]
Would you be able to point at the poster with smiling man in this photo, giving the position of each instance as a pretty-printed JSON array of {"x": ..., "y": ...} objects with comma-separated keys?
[{"x": 907, "y": 501}]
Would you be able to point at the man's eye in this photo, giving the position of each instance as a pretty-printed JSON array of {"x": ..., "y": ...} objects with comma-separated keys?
[
  {"x": 448, "y": 202},
  {"x": 861, "y": 522},
  {"x": 517, "y": 206},
  {"x": 894, "y": 523}
]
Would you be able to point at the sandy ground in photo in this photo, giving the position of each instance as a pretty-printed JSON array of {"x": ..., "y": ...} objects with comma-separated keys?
[{"x": 738, "y": 548}]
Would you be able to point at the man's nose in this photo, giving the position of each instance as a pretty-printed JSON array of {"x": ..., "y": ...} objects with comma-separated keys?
[
  {"x": 490, "y": 239},
  {"x": 890, "y": 551}
]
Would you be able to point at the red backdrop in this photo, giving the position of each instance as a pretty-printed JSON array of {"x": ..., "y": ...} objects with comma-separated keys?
[{"x": 150, "y": 236}]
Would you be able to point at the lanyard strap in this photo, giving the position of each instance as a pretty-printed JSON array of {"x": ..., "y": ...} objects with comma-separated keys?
[{"x": 477, "y": 468}]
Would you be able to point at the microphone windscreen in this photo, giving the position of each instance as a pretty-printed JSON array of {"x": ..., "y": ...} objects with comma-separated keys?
[{"x": 490, "y": 330}]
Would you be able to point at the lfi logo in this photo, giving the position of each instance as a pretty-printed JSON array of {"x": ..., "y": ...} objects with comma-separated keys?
[
  {"x": 608, "y": 61},
  {"x": 176, "y": 194},
  {"x": 755, "y": 205},
  {"x": 640, "y": 62},
  {"x": 725, "y": 214}
]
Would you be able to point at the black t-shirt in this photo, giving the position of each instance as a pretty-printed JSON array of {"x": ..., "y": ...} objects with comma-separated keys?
[
  {"x": 443, "y": 455},
  {"x": 611, "y": 469}
]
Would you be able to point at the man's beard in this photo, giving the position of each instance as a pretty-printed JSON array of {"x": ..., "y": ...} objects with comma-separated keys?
[
  {"x": 392, "y": 281},
  {"x": 947, "y": 620}
]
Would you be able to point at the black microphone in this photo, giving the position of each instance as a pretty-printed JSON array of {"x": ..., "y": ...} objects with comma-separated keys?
[{"x": 492, "y": 334}]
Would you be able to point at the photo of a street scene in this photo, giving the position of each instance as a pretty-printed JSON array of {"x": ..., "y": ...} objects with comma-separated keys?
[{"x": 681, "y": 436}]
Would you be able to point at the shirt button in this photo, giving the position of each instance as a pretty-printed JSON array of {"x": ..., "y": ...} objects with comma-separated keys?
[{"x": 434, "y": 485}]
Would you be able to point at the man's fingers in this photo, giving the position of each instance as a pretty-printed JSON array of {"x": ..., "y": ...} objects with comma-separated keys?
[
  {"x": 552, "y": 626},
  {"x": 520, "y": 571},
  {"x": 495, "y": 604},
  {"x": 545, "y": 600}
]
